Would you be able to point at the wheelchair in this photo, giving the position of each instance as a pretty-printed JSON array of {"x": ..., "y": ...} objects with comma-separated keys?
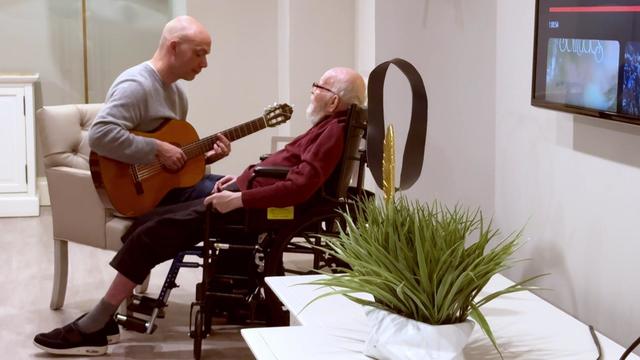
[{"x": 240, "y": 248}]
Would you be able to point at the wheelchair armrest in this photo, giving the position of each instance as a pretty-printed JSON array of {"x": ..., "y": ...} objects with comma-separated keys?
[{"x": 276, "y": 172}]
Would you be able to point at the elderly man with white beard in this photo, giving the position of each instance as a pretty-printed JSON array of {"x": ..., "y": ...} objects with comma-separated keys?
[
  {"x": 166, "y": 231},
  {"x": 312, "y": 155}
]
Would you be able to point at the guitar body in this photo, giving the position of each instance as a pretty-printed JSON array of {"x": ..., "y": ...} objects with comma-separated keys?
[
  {"x": 117, "y": 187},
  {"x": 133, "y": 190}
]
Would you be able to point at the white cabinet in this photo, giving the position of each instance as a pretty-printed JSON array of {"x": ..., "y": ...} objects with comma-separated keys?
[{"x": 18, "y": 195}]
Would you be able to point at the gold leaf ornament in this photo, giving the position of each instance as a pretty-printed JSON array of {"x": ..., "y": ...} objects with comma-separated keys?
[{"x": 389, "y": 165}]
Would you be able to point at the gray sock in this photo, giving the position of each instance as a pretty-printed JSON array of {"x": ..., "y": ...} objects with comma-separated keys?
[{"x": 97, "y": 318}]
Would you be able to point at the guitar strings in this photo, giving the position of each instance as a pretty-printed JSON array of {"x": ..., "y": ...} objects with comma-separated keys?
[
  {"x": 145, "y": 170},
  {"x": 191, "y": 150},
  {"x": 194, "y": 149}
]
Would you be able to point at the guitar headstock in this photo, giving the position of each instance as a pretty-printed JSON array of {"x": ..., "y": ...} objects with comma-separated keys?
[{"x": 277, "y": 114}]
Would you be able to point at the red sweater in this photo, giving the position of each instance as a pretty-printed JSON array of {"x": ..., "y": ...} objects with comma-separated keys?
[{"x": 311, "y": 156}]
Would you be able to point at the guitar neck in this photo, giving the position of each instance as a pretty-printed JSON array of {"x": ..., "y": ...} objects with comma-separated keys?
[{"x": 204, "y": 145}]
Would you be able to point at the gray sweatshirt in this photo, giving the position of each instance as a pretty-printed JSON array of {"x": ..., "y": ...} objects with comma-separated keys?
[{"x": 137, "y": 100}]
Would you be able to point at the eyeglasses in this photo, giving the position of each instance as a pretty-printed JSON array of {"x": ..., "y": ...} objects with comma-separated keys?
[{"x": 316, "y": 86}]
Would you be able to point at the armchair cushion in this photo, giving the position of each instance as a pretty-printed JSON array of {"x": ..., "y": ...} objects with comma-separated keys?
[
  {"x": 63, "y": 135},
  {"x": 115, "y": 228}
]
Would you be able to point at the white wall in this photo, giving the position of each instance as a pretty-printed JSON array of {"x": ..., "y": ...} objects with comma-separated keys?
[
  {"x": 574, "y": 181},
  {"x": 365, "y": 36},
  {"x": 571, "y": 180},
  {"x": 109, "y": 22},
  {"x": 241, "y": 78},
  {"x": 322, "y": 37},
  {"x": 265, "y": 52},
  {"x": 452, "y": 44}
]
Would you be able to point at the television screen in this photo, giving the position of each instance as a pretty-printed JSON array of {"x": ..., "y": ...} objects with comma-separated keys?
[{"x": 587, "y": 58}]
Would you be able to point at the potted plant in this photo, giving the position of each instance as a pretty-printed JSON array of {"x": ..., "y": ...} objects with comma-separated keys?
[{"x": 425, "y": 266}]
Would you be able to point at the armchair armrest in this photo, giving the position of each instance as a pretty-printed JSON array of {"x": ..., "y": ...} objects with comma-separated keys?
[{"x": 78, "y": 213}]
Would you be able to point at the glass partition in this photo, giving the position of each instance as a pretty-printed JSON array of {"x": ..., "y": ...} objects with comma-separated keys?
[{"x": 120, "y": 34}]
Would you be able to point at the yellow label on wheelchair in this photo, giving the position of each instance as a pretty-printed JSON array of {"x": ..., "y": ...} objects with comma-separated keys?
[{"x": 285, "y": 213}]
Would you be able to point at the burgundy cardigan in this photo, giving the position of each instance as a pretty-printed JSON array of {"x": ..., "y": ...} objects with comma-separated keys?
[{"x": 311, "y": 156}]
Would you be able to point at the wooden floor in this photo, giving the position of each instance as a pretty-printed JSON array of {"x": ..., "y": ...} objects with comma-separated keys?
[{"x": 26, "y": 271}]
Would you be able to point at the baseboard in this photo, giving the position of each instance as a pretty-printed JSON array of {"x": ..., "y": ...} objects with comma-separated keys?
[
  {"x": 43, "y": 191},
  {"x": 19, "y": 205}
]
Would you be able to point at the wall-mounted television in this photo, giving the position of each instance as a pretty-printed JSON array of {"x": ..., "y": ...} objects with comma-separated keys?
[{"x": 587, "y": 58}]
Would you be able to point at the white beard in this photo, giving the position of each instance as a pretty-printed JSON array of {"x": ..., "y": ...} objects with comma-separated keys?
[{"x": 314, "y": 114}]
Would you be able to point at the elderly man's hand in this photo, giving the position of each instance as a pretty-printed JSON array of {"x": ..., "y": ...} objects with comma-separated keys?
[
  {"x": 222, "y": 183},
  {"x": 224, "y": 201},
  {"x": 221, "y": 148}
]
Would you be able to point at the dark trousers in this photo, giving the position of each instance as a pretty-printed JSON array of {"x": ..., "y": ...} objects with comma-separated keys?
[
  {"x": 164, "y": 232},
  {"x": 200, "y": 190},
  {"x": 159, "y": 236}
]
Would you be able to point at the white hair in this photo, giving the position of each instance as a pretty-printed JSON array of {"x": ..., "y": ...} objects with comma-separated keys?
[
  {"x": 349, "y": 86},
  {"x": 349, "y": 93}
]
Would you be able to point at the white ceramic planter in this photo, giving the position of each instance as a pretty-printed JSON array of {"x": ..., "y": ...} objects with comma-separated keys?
[{"x": 394, "y": 337}]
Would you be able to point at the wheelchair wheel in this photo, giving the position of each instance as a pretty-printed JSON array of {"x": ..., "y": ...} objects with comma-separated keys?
[{"x": 198, "y": 334}]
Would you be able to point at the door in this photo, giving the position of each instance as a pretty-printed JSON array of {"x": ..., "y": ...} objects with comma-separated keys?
[{"x": 13, "y": 153}]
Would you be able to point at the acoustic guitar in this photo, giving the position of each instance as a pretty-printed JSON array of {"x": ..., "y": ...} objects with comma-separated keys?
[{"x": 133, "y": 190}]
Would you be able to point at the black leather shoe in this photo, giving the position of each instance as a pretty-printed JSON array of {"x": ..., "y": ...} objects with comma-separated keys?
[
  {"x": 112, "y": 331},
  {"x": 69, "y": 340}
]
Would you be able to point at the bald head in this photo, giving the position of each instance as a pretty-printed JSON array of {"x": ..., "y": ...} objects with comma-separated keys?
[
  {"x": 336, "y": 90},
  {"x": 183, "y": 28},
  {"x": 183, "y": 49},
  {"x": 348, "y": 85}
]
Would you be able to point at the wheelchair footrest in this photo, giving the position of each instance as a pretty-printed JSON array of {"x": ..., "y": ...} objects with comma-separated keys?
[
  {"x": 135, "y": 324},
  {"x": 226, "y": 295},
  {"x": 145, "y": 305},
  {"x": 223, "y": 277},
  {"x": 225, "y": 246}
]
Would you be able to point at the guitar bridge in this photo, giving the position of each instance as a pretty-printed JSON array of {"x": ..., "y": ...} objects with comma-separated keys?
[
  {"x": 133, "y": 169},
  {"x": 138, "y": 186}
]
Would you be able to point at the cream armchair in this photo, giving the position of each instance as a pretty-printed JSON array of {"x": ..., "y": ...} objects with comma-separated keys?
[{"x": 78, "y": 213}]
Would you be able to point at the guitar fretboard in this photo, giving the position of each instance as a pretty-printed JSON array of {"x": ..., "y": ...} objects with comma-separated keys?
[
  {"x": 273, "y": 116},
  {"x": 203, "y": 145}
]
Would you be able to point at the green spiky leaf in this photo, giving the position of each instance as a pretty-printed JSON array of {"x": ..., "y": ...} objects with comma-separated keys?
[{"x": 426, "y": 262}]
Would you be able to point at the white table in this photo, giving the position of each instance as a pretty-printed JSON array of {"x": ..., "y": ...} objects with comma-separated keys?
[{"x": 525, "y": 326}]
